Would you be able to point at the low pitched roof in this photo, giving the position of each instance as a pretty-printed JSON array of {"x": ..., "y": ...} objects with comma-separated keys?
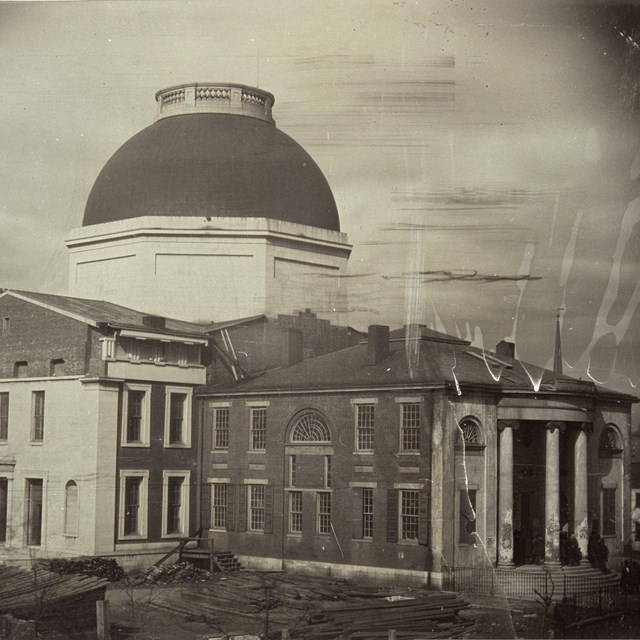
[
  {"x": 100, "y": 312},
  {"x": 423, "y": 359}
]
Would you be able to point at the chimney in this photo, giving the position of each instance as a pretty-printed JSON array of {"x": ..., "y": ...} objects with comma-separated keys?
[
  {"x": 154, "y": 322},
  {"x": 295, "y": 346},
  {"x": 506, "y": 349},
  {"x": 378, "y": 343}
]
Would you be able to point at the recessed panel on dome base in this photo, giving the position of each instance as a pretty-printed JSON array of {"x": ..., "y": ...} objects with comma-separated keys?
[{"x": 224, "y": 163}]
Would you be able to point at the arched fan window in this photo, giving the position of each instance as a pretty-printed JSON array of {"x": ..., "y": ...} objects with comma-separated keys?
[
  {"x": 609, "y": 442},
  {"x": 469, "y": 432},
  {"x": 310, "y": 427}
]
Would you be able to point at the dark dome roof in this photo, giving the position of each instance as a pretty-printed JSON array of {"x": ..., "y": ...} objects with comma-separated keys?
[{"x": 212, "y": 165}]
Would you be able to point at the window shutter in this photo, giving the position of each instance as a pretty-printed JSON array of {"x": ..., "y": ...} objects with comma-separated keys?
[
  {"x": 423, "y": 518},
  {"x": 231, "y": 507},
  {"x": 356, "y": 513},
  {"x": 242, "y": 507},
  {"x": 268, "y": 509},
  {"x": 392, "y": 515}
]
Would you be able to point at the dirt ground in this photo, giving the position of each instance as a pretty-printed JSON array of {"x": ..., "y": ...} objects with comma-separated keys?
[{"x": 149, "y": 613}]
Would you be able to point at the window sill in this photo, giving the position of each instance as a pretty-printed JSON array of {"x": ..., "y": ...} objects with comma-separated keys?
[
  {"x": 133, "y": 538},
  {"x": 136, "y": 445},
  {"x": 173, "y": 536},
  {"x": 363, "y": 452},
  {"x": 177, "y": 445},
  {"x": 296, "y": 535},
  {"x": 259, "y": 452},
  {"x": 36, "y": 444},
  {"x": 72, "y": 536},
  {"x": 409, "y": 543},
  {"x": 255, "y": 532},
  {"x": 411, "y": 452},
  {"x": 4, "y": 443}
]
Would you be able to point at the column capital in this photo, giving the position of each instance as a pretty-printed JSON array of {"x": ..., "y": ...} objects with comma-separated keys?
[
  {"x": 508, "y": 424},
  {"x": 553, "y": 425}
]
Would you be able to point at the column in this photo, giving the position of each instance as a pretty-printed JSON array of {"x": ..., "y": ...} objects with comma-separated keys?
[
  {"x": 552, "y": 495},
  {"x": 505, "y": 493},
  {"x": 580, "y": 502}
]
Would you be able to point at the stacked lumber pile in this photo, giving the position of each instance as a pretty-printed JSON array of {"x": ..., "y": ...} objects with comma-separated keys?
[
  {"x": 54, "y": 601},
  {"x": 320, "y": 608}
]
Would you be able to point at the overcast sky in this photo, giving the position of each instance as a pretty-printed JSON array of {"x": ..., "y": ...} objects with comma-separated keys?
[{"x": 482, "y": 156}]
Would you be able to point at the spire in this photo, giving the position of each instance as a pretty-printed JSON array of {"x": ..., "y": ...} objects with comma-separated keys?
[{"x": 557, "y": 352}]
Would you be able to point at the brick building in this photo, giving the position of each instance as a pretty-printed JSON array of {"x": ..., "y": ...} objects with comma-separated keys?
[{"x": 411, "y": 454}]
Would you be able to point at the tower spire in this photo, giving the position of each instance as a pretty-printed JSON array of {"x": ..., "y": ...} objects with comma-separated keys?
[{"x": 557, "y": 352}]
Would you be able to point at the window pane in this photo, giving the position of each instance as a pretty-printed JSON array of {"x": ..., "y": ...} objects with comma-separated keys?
[
  {"x": 176, "y": 418},
  {"x": 37, "y": 428},
  {"x": 219, "y": 506},
  {"x": 132, "y": 505},
  {"x": 34, "y": 512},
  {"x": 259, "y": 428},
  {"x": 135, "y": 407},
  {"x": 364, "y": 436},
  {"x": 174, "y": 505},
  {"x": 410, "y": 427},
  {"x": 324, "y": 513},
  {"x": 4, "y": 416},
  {"x": 221, "y": 428},
  {"x": 409, "y": 514},
  {"x": 4, "y": 503},
  {"x": 295, "y": 512},
  {"x": 367, "y": 513},
  {"x": 256, "y": 508}
]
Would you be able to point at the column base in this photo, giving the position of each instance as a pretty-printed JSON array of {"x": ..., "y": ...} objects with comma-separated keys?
[
  {"x": 552, "y": 564},
  {"x": 505, "y": 564}
]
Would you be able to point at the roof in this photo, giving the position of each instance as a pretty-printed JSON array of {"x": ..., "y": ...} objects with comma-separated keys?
[
  {"x": 100, "y": 312},
  {"x": 212, "y": 165},
  {"x": 430, "y": 361}
]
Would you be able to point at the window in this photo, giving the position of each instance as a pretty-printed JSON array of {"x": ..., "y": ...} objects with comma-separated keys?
[
  {"x": 136, "y": 415},
  {"x": 327, "y": 471},
  {"x": 177, "y": 417},
  {"x": 295, "y": 512},
  {"x": 609, "y": 512},
  {"x": 256, "y": 507},
  {"x": 467, "y": 519},
  {"x": 6, "y": 326},
  {"x": 258, "y": 428},
  {"x": 367, "y": 513},
  {"x": 4, "y": 508},
  {"x": 20, "y": 369},
  {"x": 310, "y": 428},
  {"x": 221, "y": 428},
  {"x": 410, "y": 426},
  {"x": 4, "y": 416},
  {"x": 469, "y": 432},
  {"x": 34, "y": 508},
  {"x": 133, "y": 504},
  {"x": 175, "y": 503},
  {"x": 71, "y": 509},
  {"x": 37, "y": 416},
  {"x": 56, "y": 367},
  {"x": 293, "y": 470},
  {"x": 219, "y": 501},
  {"x": 323, "y": 511},
  {"x": 609, "y": 444},
  {"x": 409, "y": 514},
  {"x": 364, "y": 426}
]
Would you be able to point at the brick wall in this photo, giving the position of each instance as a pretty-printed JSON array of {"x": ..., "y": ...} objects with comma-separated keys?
[{"x": 38, "y": 336}]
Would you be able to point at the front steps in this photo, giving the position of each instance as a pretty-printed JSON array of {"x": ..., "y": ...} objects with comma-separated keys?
[{"x": 213, "y": 561}]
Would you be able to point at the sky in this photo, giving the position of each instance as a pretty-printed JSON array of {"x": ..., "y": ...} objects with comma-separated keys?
[{"x": 483, "y": 155}]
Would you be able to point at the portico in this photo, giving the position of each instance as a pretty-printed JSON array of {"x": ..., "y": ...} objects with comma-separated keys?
[{"x": 542, "y": 478}]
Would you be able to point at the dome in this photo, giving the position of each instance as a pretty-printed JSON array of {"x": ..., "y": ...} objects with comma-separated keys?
[{"x": 213, "y": 151}]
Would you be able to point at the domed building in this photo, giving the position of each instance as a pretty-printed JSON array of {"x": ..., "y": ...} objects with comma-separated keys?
[{"x": 213, "y": 213}]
